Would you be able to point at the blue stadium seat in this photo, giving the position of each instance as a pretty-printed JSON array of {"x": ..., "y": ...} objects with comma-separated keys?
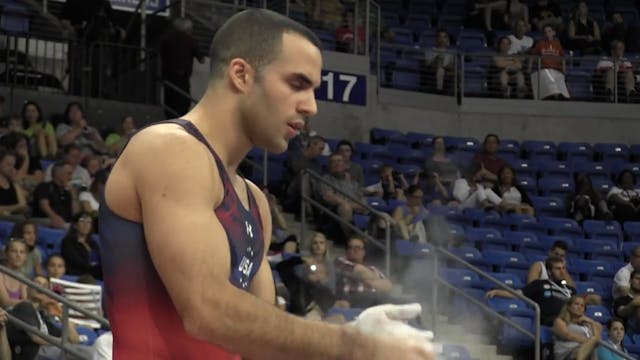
[
  {"x": 612, "y": 153},
  {"x": 406, "y": 80},
  {"x": 402, "y": 36},
  {"x": 487, "y": 238},
  {"x": 575, "y": 152},
  {"x": 510, "y": 337},
  {"x": 528, "y": 184},
  {"x": 50, "y": 239},
  {"x": 632, "y": 230},
  {"x": 605, "y": 250},
  {"x": 412, "y": 249},
  {"x": 512, "y": 307},
  {"x": 507, "y": 261},
  {"x": 633, "y": 167},
  {"x": 593, "y": 269},
  {"x": 414, "y": 157},
  {"x": 603, "y": 186},
  {"x": 427, "y": 39},
  {"x": 418, "y": 23},
  {"x": 419, "y": 140},
  {"x": 539, "y": 150},
  {"x": 598, "y": 312},
  {"x": 511, "y": 280},
  {"x": 627, "y": 248},
  {"x": 589, "y": 287},
  {"x": 472, "y": 256},
  {"x": 361, "y": 221},
  {"x": 554, "y": 186},
  {"x": 15, "y": 19},
  {"x": 5, "y": 230},
  {"x": 525, "y": 167},
  {"x": 88, "y": 333},
  {"x": 556, "y": 168},
  {"x": 596, "y": 170},
  {"x": 604, "y": 230},
  {"x": 561, "y": 226},
  {"x": 382, "y": 136},
  {"x": 634, "y": 151},
  {"x": 579, "y": 85},
  {"x": 548, "y": 206},
  {"x": 518, "y": 239},
  {"x": 461, "y": 278}
]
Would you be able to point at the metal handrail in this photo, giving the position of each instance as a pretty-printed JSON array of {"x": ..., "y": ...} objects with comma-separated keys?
[
  {"x": 381, "y": 215},
  {"x": 535, "y": 336},
  {"x": 65, "y": 312},
  {"x": 175, "y": 88}
]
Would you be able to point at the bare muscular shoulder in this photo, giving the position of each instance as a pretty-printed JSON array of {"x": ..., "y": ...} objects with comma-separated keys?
[{"x": 164, "y": 154}]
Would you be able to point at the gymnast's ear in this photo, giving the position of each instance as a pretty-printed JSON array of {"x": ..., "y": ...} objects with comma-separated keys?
[{"x": 241, "y": 75}]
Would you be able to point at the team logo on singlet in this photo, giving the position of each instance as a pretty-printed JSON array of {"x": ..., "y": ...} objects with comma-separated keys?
[{"x": 249, "y": 229}]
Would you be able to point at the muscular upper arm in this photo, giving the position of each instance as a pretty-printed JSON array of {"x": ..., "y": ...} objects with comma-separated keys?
[
  {"x": 187, "y": 243},
  {"x": 534, "y": 272},
  {"x": 262, "y": 284}
]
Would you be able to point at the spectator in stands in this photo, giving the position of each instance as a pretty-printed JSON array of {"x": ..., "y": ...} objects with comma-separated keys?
[
  {"x": 80, "y": 252},
  {"x": 44, "y": 313},
  {"x": 93, "y": 164},
  {"x": 15, "y": 123},
  {"x": 56, "y": 266},
  {"x": 586, "y": 203},
  {"x": 409, "y": 219},
  {"x": 90, "y": 199},
  {"x": 508, "y": 70},
  {"x": 76, "y": 130},
  {"x": 392, "y": 185},
  {"x": 520, "y": 42},
  {"x": 549, "y": 82},
  {"x": 624, "y": 198},
  {"x": 89, "y": 20},
  {"x": 440, "y": 164},
  {"x": 508, "y": 12},
  {"x": 28, "y": 169},
  {"x": 508, "y": 195},
  {"x": 80, "y": 177},
  {"x": 627, "y": 307},
  {"x": 326, "y": 14},
  {"x": 616, "y": 29},
  {"x": 318, "y": 275},
  {"x": 116, "y": 140},
  {"x": 546, "y": 12},
  {"x": 56, "y": 200},
  {"x": 538, "y": 270},
  {"x": 550, "y": 294},
  {"x": 439, "y": 61},
  {"x": 344, "y": 206},
  {"x": 346, "y": 34},
  {"x": 360, "y": 284},
  {"x": 41, "y": 133},
  {"x": 488, "y": 162},
  {"x": 178, "y": 50},
  {"x": 618, "y": 67},
  {"x": 307, "y": 159},
  {"x": 13, "y": 291},
  {"x": 26, "y": 230},
  {"x": 583, "y": 32},
  {"x": 622, "y": 278},
  {"x": 5, "y": 348},
  {"x": 469, "y": 192},
  {"x": 615, "y": 335},
  {"x": 345, "y": 148},
  {"x": 576, "y": 336},
  {"x": 13, "y": 204}
]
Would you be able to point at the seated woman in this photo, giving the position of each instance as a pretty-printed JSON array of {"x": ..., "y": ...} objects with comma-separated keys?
[
  {"x": 469, "y": 192},
  {"x": 624, "y": 198},
  {"x": 28, "y": 172},
  {"x": 583, "y": 32},
  {"x": 116, "y": 140},
  {"x": 26, "y": 230},
  {"x": 12, "y": 291},
  {"x": 508, "y": 196},
  {"x": 56, "y": 266},
  {"x": 575, "y": 335},
  {"x": 508, "y": 70},
  {"x": 615, "y": 335},
  {"x": 409, "y": 218},
  {"x": 42, "y": 136},
  {"x": 549, "y": 81},
  {"x": 441, "y": 164},
  {"x": 81, "y": 253},
  {"x": 586, "y": 203}
]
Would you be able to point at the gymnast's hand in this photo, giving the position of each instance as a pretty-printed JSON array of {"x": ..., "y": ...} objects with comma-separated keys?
[{"x": 395, "y": 338}]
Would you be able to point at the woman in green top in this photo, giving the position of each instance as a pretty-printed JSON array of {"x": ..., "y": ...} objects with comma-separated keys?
[
  {"x": 116, "y": 140},
  {"x": 42, "y": 135}
]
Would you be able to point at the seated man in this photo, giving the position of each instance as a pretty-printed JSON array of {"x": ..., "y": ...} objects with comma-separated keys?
[
  {"x": 622, "y": 278},
  {"x": 57, "y": 200},
  {"x": 439, "y": 62},
  {"x": 488, "y": 162},
  {"x": 627, "y": 307},
  {"x": 359, "y": 284},
  {"x": 345, "y": 148},
  {"x": 391, "y": 185},
  {"x": 617, "y": 63},
  {"x": 340, "y": 179},
  {"x": 550, "y": 294}
]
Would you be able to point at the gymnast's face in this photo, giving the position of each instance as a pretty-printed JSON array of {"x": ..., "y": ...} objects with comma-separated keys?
[{"x": 282, "y": 94}]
